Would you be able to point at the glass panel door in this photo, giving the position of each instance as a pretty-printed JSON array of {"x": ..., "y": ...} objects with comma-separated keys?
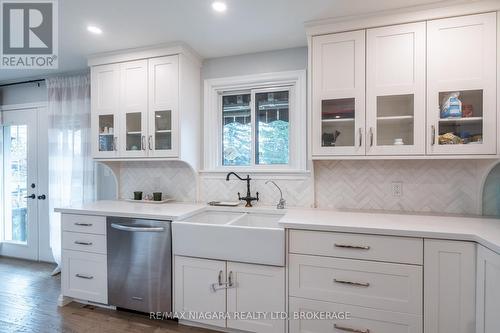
[
  {"x": 107, "y": 139},
  {"x": 163, "y": 130},
  {"x": 460, "y": 117},
  {"x": 395, "y": 120},
  {"x": 338, "y": 122},
  {"x": 19, "y": 187},
  {"x": 134, "y": 137}
]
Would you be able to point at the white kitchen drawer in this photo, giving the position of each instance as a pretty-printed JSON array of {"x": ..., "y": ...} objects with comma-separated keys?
[
  {"x": 357, "y": 246},
  {"x": 384, "y": 286},
  {"x": 84, "y": 276},
  {"x": 361, "y": 319},
  {"x": 84, "y": 242},
  {"x": 88, "y": 224}
]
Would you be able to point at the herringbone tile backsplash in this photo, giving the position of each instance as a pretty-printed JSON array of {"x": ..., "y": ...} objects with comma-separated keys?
[{"x": 438, "y": 186}]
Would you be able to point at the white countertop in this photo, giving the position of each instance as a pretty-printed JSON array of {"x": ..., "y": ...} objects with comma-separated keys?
[
  {"x": 485, "y": 231},
  {"x": 164, "y": 211}
]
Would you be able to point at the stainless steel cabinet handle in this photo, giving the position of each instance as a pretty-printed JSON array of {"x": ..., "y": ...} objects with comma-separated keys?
[
  {"x": 356, "y": 247},
  {"x": 371, "y": 136},
  {"x": 357, "y": 284},
  {"x": 143, "y": 142},
  {"x": 219, "y": 279},
  {"x": 140, "y": 229},
  {"x": 82, "y": 276},
  {"x": 230, "y": 279},
  {"x": 150, "y": 139},
  {"x": 348, "y": 329},
  {"x": 83, "y": 224},
  {"x": 219, "y": 284},
  {"x": 360, "y": 137},
  {"x": 433, "y": 135},
  {"x": 115, "y": 143},
  {"x": 83, "y": 243}
]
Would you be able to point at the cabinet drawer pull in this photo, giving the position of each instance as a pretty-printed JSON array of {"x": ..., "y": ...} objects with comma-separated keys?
[
  {"x": 83, "y": 224},
  {"x": 360, "y": 137},
  {"x": 371, "y": 136},
  {"x": 150, "y": 139},
  {"x": 230, "y": 279},
  {"x": 143, "y": 142},
  {"x": 357, "y": 284},
  {"x": 356, "y": 247},
  {"x": 83, "y": 243},
  {"x": 348, "y": 329},
  {"x": 115, "y": 143},
  {"x": 81, "y": 276}
]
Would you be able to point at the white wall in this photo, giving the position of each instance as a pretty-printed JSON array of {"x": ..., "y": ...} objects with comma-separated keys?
[{"x": 254, "y": 63}]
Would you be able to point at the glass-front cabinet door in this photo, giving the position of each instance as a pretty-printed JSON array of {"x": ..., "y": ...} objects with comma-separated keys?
[
  {"x": 163, "y": 106},
  {"x": 105, "y": 89},
  {"x": 395, "y": 93},
  {"x": 133, "y": 108},
  {"x": 462, "y": 85},
  {"x": 338, "y": 79}
]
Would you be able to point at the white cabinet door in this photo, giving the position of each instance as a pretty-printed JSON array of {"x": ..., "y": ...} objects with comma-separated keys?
[
  {"x": 449, "y": 286},
  {"x": 163, "y": 106},
  {"x": 488, "y": 291},
  {"x": 193, "y": 292},
  {"x": 105, "y": 86},
  {"x": 395, "y": 90},
  {"x": 256, "y": 289},
  {"x": 84, "y": 276},
  {"x": 338, "y": 94},
  {"x": 461, "y": 58},
  {"x": 133, "y": 108}
]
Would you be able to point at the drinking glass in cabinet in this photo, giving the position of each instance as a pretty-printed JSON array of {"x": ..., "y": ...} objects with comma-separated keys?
[
  {"x": 163, "y": 130},
  {"x": 460, "y": 117},
  {"x": 134, "y": 131},
  {"x": 337, "y": 122},
  {"x": 106, "y": 132},
  {"x": 395, "y": 120}
]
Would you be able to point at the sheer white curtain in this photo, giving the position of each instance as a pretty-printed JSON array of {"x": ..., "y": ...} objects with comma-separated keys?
[{"x": 71, "y": 169}]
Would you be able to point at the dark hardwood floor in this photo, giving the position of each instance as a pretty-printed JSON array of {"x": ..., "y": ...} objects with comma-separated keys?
[{"x": 28, "y": 304}]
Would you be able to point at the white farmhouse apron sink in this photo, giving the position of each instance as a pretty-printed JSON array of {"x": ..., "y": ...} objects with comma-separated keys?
[{"x": 233, "y": 236}]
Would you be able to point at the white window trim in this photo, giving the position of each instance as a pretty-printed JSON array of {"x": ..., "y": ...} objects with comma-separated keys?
[{"x": 212, "y": 125}]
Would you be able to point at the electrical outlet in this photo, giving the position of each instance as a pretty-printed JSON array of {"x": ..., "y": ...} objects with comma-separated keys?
[{"x": 397, "y": 189}]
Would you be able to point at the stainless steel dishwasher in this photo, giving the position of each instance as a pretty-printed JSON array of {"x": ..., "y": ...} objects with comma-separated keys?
[{"x": 139, "y": 264}]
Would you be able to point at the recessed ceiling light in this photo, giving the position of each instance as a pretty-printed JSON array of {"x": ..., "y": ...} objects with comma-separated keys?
[
  {"x": 219, "y": 6},
  {"x": 93, "y": 29}
]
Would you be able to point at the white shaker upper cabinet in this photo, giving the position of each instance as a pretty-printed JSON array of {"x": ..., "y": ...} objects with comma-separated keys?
[
  {"x": 461, "y": 85},
  {"x": 105, "y": 90},
  {"x": 163, "y": 106},
  {"x": 338, "y": 88},
  {"x": 395, "y": 90},
  {"x": 133, "y": 108}
]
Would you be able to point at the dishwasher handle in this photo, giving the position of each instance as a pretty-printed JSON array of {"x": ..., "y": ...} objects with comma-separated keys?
[{"x": 139, "y": 229}]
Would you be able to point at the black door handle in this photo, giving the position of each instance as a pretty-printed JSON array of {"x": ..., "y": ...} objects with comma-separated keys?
[
  {"x": 42, "y": 197},
  {"x": 33, "y": 196}
]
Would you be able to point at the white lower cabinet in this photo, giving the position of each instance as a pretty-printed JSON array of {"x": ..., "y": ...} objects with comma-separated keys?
[
  {"x": 193, "y": 293},
  {"x": 84, "y": 271},
  {"x": 256, "y": 289},
  {"x": 359, "y": 320},
  {"x": 488, "y": 291},
  {"x": 208, "y": 286},
  {"x": 450, "y": 286},
  {"x": 84, "y": 276}
]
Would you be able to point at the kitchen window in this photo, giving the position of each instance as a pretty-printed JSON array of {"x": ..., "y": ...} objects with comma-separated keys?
[{"x": 256, "y": 123}]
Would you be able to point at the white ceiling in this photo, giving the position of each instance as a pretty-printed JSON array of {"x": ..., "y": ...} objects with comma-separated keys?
[{"x": 248, "y": 26}]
